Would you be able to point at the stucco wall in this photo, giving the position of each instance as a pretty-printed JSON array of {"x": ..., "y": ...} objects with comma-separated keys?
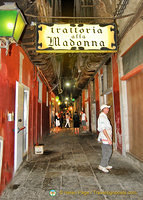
[
  {"x": 9, "y": 74},
  {"x": 134, "y": 34},
  {"x": 131, "y": 8},
  {"x": 131, "y": 37}
]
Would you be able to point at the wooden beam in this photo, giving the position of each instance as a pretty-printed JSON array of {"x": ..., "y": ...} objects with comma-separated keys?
[
  {"x": 27, "y": 36},
  {"x": 30, "y": 6},
  {"x": 90, "y": 72},
  {"x": 59, "y": 17},
  {"x": 40, "y": 63},
  {"x": 88, "y": 6},
  {"x": 36, "y": 60},
  {"x": 30, "y": 48},
  {"x": 30, "y": 27},
  {"x": 28, "y": 43}
]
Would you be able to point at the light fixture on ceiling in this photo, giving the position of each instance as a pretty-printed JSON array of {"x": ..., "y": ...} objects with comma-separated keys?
[{"x": 67, "y": 84}]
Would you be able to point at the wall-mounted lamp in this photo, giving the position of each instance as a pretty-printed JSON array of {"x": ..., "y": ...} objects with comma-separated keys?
[{"x": 12, "y": 24}]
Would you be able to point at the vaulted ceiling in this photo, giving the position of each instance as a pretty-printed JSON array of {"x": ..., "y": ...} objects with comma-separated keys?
[{"x": 57, "y": 68}]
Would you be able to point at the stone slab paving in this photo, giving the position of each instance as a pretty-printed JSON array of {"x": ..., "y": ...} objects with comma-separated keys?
[{"x": 69, "y": 166}]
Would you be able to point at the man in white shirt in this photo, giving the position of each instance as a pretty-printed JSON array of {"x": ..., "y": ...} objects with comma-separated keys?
[
  {"x": 83, "y": 120},
  {"x": 67, "y": 125},
  {"x": 105, "y": 136}
]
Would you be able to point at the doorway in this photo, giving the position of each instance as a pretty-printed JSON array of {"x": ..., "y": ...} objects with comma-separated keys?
[
  {"x": 26, "y": 117},
  {"x": 135, "y": 115},
  {"x": 21, "y": 124},
  {"x": 87, "y": 114}
]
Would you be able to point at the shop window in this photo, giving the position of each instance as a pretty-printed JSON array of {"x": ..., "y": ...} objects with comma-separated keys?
[{"x": 133, "y": 57}]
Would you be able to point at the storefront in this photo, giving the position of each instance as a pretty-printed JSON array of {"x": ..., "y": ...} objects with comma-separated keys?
[{"x": 133, "y": 75}]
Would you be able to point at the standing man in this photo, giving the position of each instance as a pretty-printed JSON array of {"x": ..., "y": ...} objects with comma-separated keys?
[
  {"x": 67, "y": 125},
  {"x": 57, "y": 122},
  {"x": 61, "y": 119},
  {"x": 83, "y": 120},
  {"x": 76, "y": 123},
  {"x": 105, "y": 136}
]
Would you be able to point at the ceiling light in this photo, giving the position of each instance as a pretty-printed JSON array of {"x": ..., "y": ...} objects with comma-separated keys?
[{"x": 67, "y": 84}]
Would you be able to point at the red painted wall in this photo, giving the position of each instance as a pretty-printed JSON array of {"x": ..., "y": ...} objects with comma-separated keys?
[
  {"x": 89, "y": 103},
  {"x": 83, "y": 100},
  {"x": 45, "y": 113},
  {"x": 97, "y": 100},
  {"x": 8, "y": 77},
  {"x": 117, "y": 101},
  {"x": 9, "y": 74}
]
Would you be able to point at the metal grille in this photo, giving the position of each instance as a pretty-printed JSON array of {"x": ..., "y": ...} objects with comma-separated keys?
[{"x": 121, "y": 7}]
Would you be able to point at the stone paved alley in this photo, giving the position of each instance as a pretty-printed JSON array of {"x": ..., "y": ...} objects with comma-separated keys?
[{"x": 69, "y": 166}]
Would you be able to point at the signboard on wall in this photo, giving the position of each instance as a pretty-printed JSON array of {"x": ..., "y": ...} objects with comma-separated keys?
[{"x": 76, "y": 38}]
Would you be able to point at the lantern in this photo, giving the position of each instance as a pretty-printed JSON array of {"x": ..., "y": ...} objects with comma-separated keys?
[{"x": 12, "y": 24}]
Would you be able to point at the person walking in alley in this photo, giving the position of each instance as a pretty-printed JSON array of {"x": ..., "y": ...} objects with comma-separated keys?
[
  {"x": 67, "y": 125},
  {"x": 105, "y": 136},
  {"x": 61, "y": 119},
  {"x": 83, "y": 120},
  {"x": 76, "y": 123},
  {"x": 57, "y": 122}
]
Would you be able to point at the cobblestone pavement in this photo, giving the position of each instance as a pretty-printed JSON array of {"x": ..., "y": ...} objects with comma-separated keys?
[{"x": 69, "y": 166}]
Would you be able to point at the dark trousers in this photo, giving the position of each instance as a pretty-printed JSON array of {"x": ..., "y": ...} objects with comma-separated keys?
[{"x": 106, "y": 154}]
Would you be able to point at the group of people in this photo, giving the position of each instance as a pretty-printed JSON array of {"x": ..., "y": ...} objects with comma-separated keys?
[
  {"x": 59, "y": 119},
  {"x": 104, "y": 128},
  {"x": 77, "y": 121}
]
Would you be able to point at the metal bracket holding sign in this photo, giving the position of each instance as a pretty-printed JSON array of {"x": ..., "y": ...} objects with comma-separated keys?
[{"x": 76, "y": 38}]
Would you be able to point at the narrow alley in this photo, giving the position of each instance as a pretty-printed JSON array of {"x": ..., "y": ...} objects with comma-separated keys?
[
  {"x": 71, "y": 93},
  {"x": 69, "y": 166}
]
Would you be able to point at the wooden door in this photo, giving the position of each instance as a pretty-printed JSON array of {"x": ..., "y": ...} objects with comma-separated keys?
[
  {"x": 19, "y": 125},
  {"x": 135, "y": 115}
]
